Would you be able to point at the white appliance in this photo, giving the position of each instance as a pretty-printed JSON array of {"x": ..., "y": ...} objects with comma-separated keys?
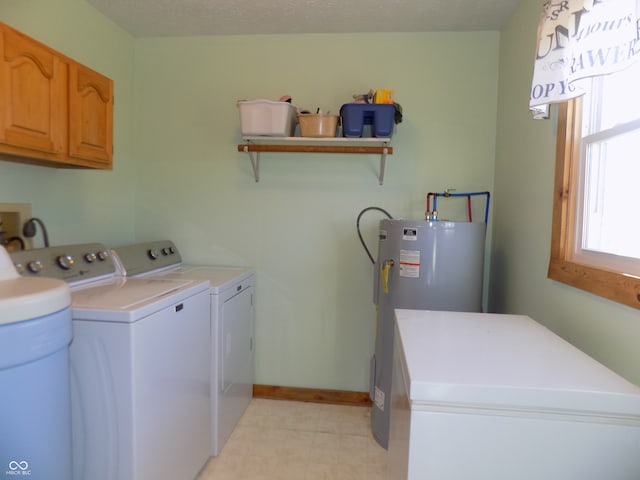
[
  {"x": 500, "y": 397},
  {"x": 232, "y": 325},
  {"x": 435, "y": 265},
  {"x": 139, "y": 367},
  {"x": 35, "y": 406}
]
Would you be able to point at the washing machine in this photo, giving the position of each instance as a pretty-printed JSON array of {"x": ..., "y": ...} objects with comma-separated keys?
[
  {"x": 232, "y": 325},
  {"x": 35, "y": 408},
  {"x": 140, "y": 394}
]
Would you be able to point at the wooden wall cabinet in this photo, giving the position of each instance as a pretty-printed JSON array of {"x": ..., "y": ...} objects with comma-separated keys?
[
  {"x": 53, "y": 111},
  {"x": 90, "y": 116}
]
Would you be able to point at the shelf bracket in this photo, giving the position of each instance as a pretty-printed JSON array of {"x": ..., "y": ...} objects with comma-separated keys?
[
  {"x": 383, "y": 159},
  {"x": 255, "y": 162}
]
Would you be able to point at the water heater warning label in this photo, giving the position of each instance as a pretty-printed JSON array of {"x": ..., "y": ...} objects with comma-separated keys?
[
  {"x": 410, "y": 233},
  {"x": 410, "y": 263}
]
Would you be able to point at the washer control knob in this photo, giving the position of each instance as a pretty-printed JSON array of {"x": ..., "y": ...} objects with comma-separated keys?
[
  {"x": 102, "y": 255},
  {"x": 90, "y": 257},
  {"x": 19, "y": 268},
  {"x": 65, "y": 262},
  {"x": 34, "y": 266},
  {"x": 167, "y": 251},
  {"x": 153, "y": 254}
]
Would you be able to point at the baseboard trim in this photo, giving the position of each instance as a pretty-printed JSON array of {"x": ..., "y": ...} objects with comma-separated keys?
[{"x": 313, "y": 395}]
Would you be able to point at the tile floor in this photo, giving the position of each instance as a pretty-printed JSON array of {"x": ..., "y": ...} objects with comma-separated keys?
[{"x": 285, "y": 440}]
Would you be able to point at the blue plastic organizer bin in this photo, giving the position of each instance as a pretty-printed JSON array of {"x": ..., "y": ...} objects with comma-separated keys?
[{"x": 381, "y": 117}]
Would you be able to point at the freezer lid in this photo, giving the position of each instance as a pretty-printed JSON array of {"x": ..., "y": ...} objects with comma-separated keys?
[{"x": 505, "y": 362}]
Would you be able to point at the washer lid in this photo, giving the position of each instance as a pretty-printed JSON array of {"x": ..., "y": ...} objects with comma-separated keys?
[
  {"x": 505, "y": 362},
  {"x": 29, "y": 298},
  {"x": 127, "y": 299},
  {"x": 24, "y": 298}
]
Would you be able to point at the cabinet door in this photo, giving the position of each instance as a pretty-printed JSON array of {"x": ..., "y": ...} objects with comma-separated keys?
[
  {"x": 90, "y": 116},
  {"x": 33, "y": 98}
]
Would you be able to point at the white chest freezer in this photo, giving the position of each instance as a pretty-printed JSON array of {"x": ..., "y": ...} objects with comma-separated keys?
[{"x": 500, "y": 397}]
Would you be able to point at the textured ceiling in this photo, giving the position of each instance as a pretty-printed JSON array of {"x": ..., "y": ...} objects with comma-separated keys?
[{"x": 144, "y": 18}]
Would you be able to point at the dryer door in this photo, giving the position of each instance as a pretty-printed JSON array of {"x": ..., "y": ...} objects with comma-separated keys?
[{"x": 236, "y": 361}]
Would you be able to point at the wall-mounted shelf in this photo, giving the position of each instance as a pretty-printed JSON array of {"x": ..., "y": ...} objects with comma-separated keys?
[{"x": 253, "y": 146}]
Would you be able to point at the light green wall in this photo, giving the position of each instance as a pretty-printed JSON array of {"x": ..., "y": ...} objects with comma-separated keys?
[
  {"x": 522, "y": 221},
  {"x": 315, "y": 317},
  {"x": 76, "y": 205},
  {"x": 177, "y": 173}
]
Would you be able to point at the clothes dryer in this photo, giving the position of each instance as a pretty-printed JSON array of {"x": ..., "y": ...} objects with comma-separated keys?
[
  {"x": 139, "y": 367},
  {"x": 232, "y": 325}
]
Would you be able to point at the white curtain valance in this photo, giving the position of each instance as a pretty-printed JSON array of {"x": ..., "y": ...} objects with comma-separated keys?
[{"x": 578, "y": 39}]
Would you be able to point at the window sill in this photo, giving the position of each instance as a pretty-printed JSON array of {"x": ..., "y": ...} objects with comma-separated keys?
[{"x": 614, "y": 286}]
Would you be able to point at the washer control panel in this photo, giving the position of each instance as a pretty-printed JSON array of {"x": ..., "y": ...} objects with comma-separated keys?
[
  {"x": 145, "y": 257},
  {"x": 70, "y": 263}
]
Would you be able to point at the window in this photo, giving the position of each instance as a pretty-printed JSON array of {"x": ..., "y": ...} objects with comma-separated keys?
[{"x": 595, "y": 242}]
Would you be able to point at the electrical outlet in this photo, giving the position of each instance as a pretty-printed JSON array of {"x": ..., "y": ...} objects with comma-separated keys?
[{"x": 12, "y": 217}]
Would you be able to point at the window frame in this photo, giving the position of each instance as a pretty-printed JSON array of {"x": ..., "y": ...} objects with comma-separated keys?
[{"x": 614, "y": 286}]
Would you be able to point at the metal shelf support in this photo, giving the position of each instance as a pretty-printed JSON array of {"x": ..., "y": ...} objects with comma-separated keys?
[
  {"x": 383, "y": 159},
  {"x": 255, "y": 162}
]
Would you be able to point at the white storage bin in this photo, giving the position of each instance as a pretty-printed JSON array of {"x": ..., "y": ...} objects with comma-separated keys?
[{"x": 265, "y": 117}]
